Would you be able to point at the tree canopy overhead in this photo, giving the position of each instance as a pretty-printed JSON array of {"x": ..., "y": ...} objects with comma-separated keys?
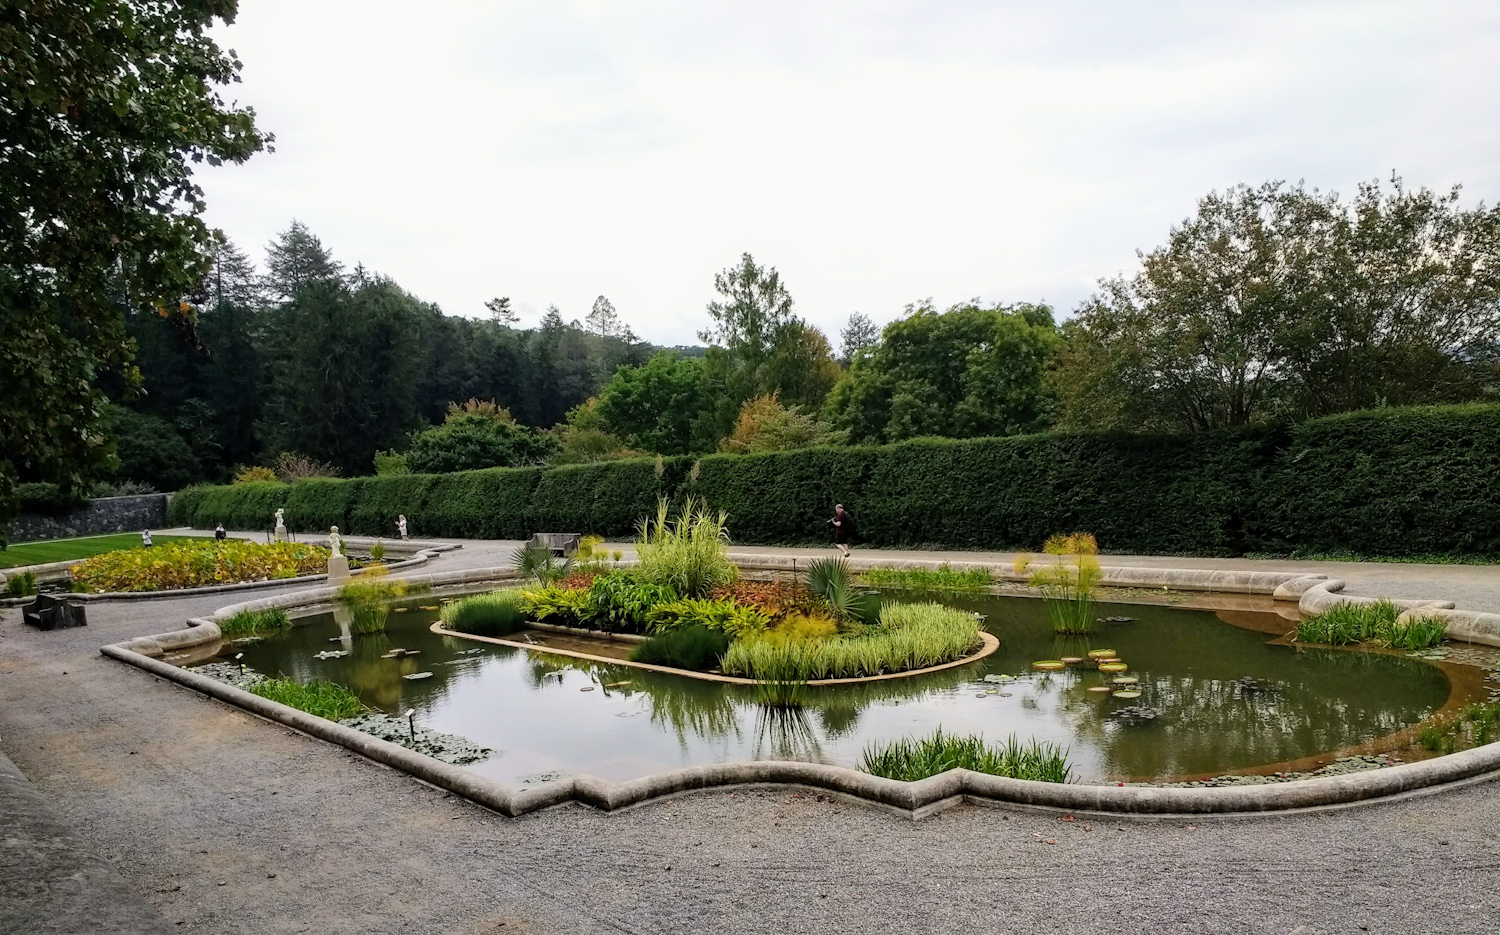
[{"x": 105, "y": 108}]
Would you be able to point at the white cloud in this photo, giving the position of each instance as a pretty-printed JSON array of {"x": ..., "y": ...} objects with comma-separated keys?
[{"x": 874, "y": 152}]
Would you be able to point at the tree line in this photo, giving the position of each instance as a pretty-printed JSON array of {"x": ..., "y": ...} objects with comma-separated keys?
[{"x": 1269, "y": 304}]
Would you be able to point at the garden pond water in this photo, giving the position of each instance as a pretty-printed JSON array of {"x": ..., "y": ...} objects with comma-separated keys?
[{"x": 1215, "y": 697}]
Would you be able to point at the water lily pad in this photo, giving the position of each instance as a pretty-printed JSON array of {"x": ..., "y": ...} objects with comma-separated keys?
[
  {"x": 417, "y": 675},
  {"x": 1101, "y": 653},
  {"x": 1126, "y": 680},
  {"x": 998, "y": 678},
  {"x": 1098, "y": 688},
  {"x": 1049, "y": 665},
  {"x": 1127, "y": 693},
  {"x": 1113, "y": 667},
  {"x": 1072, "y": 660}
]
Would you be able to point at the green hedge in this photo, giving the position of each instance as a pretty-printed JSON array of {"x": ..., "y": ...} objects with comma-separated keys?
[{"x": 1386, "y": 482}]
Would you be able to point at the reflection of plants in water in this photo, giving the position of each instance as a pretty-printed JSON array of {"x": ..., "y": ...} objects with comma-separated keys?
[{"x": 785, "y": 734}]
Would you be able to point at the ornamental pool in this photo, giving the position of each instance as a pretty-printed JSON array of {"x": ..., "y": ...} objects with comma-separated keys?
[{"x": 1226, "y": 697}]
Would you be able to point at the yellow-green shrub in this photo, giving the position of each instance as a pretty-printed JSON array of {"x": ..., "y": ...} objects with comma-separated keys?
[{"x": 196, "y": 565}]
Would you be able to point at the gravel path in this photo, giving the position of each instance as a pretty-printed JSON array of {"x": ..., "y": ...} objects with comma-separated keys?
[{"x": 229, "y": 824}]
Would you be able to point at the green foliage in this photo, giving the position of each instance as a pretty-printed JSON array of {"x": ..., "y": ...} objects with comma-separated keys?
[
  {"x": 1348, "y": 623},
  {"x": 1068, "y": 583},
  {"x": 692, "y": 647},
  {"x": 620, "y": 602},
  {"x": 107, "y": 111},
  {"x": 1420, "y": 633},
  {"x": 964, "y": 373},
  {"x": 585, "y": 438},
  {"x": 560, "y": 606},
  {"x": 254, "y": 622},
  {"x": 911, "y": 760},
  {"x": 22, "y": 585},
  {"x": 149, "y": 449},
  {"x": 377, "y": 551},
  {"x": 319, "y": 697},
  {"x": 391, "y": 462},
  {"x": 826, "y": 574},
  {"x": 670, "y": 405},
  {"x": 942, "y": 578},
  {"x": 909, "y": 636},
  {"x": 766, "y": 425},
  {"x": 537, "y": 563},
  {"x": 499, "y": 613},
  {"x": 61, "y": 550},
  {"x": 1382, "y": 483},
  {"x": 726, "y": 616},
  {"x": 48, "y": 499},
  {"x": 689, "y": 554},
  {"x": 1279, "y": 302},
  {"x": 472, "y": 440},
  {"x": 782, "y": 669},
  {"x": 369, "y": 598},
  {"x": 1474, "y": 726},
  {"x": 196, "y": 563},
  {"x": 831, "y": 580}
]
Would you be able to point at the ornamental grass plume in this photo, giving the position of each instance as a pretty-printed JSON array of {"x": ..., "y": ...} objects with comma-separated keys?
[
  {"x": 689, "y": 554},
  {"x": 1068, "y": 584}
]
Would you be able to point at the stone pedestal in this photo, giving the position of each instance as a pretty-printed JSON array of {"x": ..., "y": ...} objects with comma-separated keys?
[
  {"x": 338, "y": 568},
  {"x": 281, "y": 534}
]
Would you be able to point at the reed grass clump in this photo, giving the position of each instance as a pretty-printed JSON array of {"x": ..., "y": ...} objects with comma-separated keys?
[
  {"x": 1474, "y": 726},
  {"x": 319, "y": 697},
  {"x": 782, "y": 671},
  {"x": 498, "y": 613},
  {"x": 696, "y": 647},
  {"x": 21, "y": 585},
  {"x": 254, "y": 622},
  {"x": 942, "y": 578},
  {"x": 912, "y": 760},
  {"x": 1348, "y": 623},
  {"x": 909, "y": 636},
  {"x": 369, "y": 598},
  {"x": 689, "y": 554}
]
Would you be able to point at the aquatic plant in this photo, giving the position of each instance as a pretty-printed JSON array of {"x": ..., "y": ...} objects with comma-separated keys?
[
  {"x": 21, "y": 585},
  {"x": 198, "y": 563},
  {"x": 562, "y": 606},
  {"x": 909, "y": 636},
  {"x": 912, "y": 760},
  {"x": 252, "y": 622},
  {"x": 537, "y": 563},
  {"x": 498, "y": 613},
  {"x": 621, "y": 601},
  {"x": 1068, "y": 583},
  {"x": 1347, "y": 623},
  {"x": 377, "y": 551},
  {"x": 689, "y": 554},
  {"x": 832, "y": 581},
  {"x": 694, "y": 647},
  {"x": 775, "y": 599},
  {"x": 369, "y": 597},
  {"x": 725, "y": 615},
  {"x": 1474, "y": 726},
  {"x": 826, "y": 573},
  {"x": 1418, "y": 633},
  {"x": 806, "y": 627},
  {"x": 319, "y": 697},
  {"x": 782, "y": 670},
  {"x": 942, "y": 578}
]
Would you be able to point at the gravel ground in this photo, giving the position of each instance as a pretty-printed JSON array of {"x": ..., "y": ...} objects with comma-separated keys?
[{"x": 229, "y": 824}]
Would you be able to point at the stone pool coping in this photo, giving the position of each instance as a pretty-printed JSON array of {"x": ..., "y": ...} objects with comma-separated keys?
[
  {"x": 420, "y": 556},
  {"x": 989, "y": 643},
  {"x": 915, "y": 799}
]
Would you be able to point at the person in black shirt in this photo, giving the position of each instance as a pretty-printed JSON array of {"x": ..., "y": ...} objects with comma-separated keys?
[{"x": 843, "y": 528}]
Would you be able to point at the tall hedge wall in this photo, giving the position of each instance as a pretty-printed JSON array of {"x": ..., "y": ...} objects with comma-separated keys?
[{"x": 1387, "y": 482}]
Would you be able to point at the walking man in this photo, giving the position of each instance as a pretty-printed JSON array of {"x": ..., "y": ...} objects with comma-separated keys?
[{"x": 843, "y": 528}]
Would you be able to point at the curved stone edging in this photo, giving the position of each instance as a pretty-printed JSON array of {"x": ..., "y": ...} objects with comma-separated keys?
[
  {"x": 989, "y": 643},
  {"x": 914, "y": 798}
]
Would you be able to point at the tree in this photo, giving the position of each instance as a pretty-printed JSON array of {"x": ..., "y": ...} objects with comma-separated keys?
[
  {"x": 603, "y": 320},
  {"x": 766, "y": 425},
  {"x": 668, "y": 406},
  {"x": 1277, "y": 302},
  {"x": 149, "y": 450},
  {"x": 104, "y": 109},
  {"x": 584, "y": 437},
  {"x": 476, "y": 435},
  {"x": 968, "y": 372},
  {"x": 297, "y": 259},
  {"x": 858, "y": 334},
  {"x": 500, "y": 311},
  {"x": 754, "y": 315}
]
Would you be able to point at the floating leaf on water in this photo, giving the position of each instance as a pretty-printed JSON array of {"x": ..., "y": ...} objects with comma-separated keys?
[
  {"x": 429, "y": 607},
  {"x": 980, "y": 695},
  {"x": 400, "y": 610},
  {"x": 586, "y": 688},
  {"x": 1101, "y": 653},
  {"x": 617, "y": 684},
  {"x": 331, "y": 654},
  {"x": 993, "y": 691},
  {"x": 1126, "y": 680},
  {"x": 417, "y": 675},
  {"x": 1005, "y": 694},
  {"x": 997, "y": 678},
  {"x": 1098, "y": 688},
  {"x": 1112, "y": 667},
  {"x": 1049, "y": 665},
  {"x": 1127, "y": 693},
  {"x": 1072, "y": 660}
]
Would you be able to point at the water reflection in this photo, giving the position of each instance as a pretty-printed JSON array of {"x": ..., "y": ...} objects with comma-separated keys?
[{"x": 545, "y": 712}]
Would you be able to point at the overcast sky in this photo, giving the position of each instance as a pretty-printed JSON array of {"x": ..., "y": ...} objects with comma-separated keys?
[{"x": 876, "y": 153}]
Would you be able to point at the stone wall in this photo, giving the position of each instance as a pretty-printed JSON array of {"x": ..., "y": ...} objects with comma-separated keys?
[{"x": 107, "y": 514}]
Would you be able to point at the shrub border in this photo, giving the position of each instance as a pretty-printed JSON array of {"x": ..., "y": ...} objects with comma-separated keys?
[{"x": 914, "y": 799}]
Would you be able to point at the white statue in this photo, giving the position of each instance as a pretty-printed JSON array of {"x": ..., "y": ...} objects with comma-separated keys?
[
  {"x": 279, "y": 533},
  {"x": 334, "y": 540},
  {"x": 280, "y": 522}
]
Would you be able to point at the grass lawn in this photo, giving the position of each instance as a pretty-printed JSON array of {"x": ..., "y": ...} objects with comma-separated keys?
[{"x": 58, "y": 550}]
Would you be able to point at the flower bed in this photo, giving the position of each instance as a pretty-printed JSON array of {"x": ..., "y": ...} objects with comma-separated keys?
[{"x": 196, "y": 564}]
